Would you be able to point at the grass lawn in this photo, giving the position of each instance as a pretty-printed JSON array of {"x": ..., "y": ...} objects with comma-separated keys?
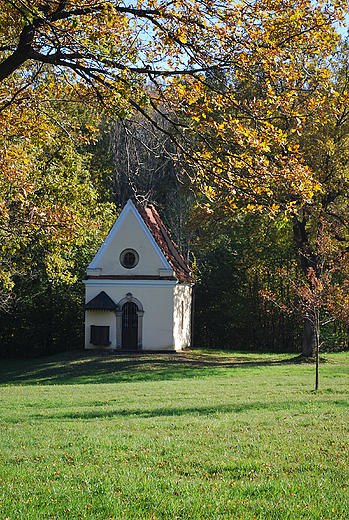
[{"x": 189, "y": 436}]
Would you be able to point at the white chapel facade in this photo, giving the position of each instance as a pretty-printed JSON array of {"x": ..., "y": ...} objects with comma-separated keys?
[{"x": 138, "y": 288}]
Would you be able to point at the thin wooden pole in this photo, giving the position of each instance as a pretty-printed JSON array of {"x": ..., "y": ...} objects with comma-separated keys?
[{"x": 317, "y": 336}]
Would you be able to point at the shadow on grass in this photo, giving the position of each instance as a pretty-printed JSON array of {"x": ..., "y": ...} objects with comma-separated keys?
[
  {"x": 156, "y": 412},
  {"x": 172, "y": 411},
  {"x": 81, "y": 367}
]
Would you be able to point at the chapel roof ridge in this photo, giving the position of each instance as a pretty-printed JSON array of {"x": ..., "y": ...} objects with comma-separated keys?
[{"x": 162, "y": 237}]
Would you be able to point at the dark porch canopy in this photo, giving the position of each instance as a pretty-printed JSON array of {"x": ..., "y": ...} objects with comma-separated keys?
[{"x": 101, "y": 302}]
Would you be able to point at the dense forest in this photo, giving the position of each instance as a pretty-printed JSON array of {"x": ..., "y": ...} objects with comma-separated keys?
[{"x": 233, "y": 119}]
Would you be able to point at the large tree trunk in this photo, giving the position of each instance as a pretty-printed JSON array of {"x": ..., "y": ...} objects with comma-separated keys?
[
  {"x": 307, "y": 260},
  {"x": 309, "y": 339}
]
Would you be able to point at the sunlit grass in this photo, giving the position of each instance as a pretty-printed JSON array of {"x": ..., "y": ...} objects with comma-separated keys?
[{"x": 192, "y": 436}]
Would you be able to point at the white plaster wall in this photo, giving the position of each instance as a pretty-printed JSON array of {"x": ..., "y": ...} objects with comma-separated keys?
[
  {"x": 100, "y": 318},
  {"x": 182, "y": 323},
  {"x": 130, "y": 236},
  {"x": 157, "y": 301},
  {"x": 157, "y": 320}
]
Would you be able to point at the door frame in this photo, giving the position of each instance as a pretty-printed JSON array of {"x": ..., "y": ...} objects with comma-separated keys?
[
  {"x": 129, "y": 334},
  {"x": 118, "y": 314}
]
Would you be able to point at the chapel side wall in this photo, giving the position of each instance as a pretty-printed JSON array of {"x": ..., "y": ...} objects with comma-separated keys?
[
  {"x": 157, "y": 320},
  {"x": 182, "y": 316}
]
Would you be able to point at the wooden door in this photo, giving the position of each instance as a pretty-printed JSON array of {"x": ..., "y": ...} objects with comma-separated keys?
[{"x": 129, "y": 326}]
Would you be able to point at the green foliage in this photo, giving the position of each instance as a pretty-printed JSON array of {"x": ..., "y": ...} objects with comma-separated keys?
[
  {"x": 243, "y": 259},
  {"x": 52, "y": 222},
  {"x": 246, "y": 121},
  {"x": 42, "y": 318},
  {"x": 334, "y": 337}
]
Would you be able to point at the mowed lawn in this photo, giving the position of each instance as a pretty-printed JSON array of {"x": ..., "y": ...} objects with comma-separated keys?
[{"x": 189, "y": 436}]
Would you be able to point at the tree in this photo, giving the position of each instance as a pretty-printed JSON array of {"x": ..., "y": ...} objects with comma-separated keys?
[
  {"x": 51, "y": 224},
  {"x": 324, "y": 146},
  {"x": 236, "y": 257},
  {"x": 322, "y": 294},
  {"x": 47, "y": 199},
  {"x": 133, "y": 159},
  {"x": 319, "y": 133},
  {"x": 228, "y": 83},
  {"x": 253, "y": 63}
]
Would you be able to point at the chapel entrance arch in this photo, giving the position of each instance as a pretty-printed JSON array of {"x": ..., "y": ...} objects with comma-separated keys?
[
  {"x": 129, "y": 323},
  {"x": 129, "y": 326}
]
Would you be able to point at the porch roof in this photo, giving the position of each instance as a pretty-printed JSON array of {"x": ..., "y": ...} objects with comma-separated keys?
[{"x": 101, "y": 302}]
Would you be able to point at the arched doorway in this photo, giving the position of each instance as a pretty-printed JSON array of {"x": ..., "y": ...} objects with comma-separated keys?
[
  {"x": 129, "y": 326},
  {"x": 126, "y": 316}
]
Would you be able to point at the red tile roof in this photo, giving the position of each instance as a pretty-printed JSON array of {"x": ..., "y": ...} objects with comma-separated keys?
[{"x": 164, "y": 241}]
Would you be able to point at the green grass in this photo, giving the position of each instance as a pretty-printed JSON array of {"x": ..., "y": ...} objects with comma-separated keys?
[{"x": 196, "y": 435}]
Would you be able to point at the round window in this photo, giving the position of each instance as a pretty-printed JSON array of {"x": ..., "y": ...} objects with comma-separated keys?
[{"x": 129, "y": 258}]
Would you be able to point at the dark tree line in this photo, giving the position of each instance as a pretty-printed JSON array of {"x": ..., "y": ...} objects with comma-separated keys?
[
  {"x": 235, "y": 143},
  {"x": 234, "y": 257}
]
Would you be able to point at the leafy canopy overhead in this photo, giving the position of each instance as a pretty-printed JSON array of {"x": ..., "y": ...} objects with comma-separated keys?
[{"x": 230, "y": 82}]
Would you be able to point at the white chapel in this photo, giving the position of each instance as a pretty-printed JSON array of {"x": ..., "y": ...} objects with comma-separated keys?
[{"x": 138, "y": 287}]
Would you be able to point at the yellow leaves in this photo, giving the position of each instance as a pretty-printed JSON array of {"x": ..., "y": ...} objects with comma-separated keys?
[
  {"x": 246, "y": 113},
  {"x": 181, "y": 35},
  {"x": 59, "y": 268},
  {"x": 6, "y": 280},
  {"x": 49, "y": 86},
  {"x": 46, "y": 198}
]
